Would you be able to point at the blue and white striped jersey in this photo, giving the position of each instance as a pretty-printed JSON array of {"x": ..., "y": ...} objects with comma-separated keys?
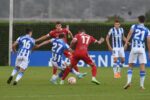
[
  {"x": 26, "y": 43},
  {"x": 117, "y": 37},
  {"x": 58, "y": 48},
  {"x": 139, "y": 35}
]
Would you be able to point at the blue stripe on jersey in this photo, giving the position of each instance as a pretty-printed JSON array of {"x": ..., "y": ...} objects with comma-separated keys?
[
  {"x": 117, "y": 35},
  {"x": 26, "y": 43},
  {"x": 140, "y": 32}
]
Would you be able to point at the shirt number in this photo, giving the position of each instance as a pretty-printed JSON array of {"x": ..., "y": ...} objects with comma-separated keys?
[{"x": 85, "y": 39}]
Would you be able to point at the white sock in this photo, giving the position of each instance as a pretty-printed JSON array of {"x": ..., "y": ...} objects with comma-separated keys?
[
  {"x": 15, "y": 70},
  {"x": 54, "y": 77},
  {"x": 129, "y": 76},
  {"x": 75, "y": 72},
  {"x": 93, "y": 78},
  {"x": 115, "y": 68},
  {"x": 119, "y": 69},
  {"x": 19, "y": 76},
  {"x": 142, "y": 78}
]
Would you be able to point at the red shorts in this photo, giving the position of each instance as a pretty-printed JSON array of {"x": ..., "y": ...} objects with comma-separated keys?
[{"x": 85, "y": 57}]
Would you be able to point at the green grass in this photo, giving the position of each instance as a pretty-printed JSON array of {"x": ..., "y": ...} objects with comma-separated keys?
[{"x": 35, "y": 85}]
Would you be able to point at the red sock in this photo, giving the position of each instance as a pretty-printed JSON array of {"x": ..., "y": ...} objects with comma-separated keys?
[
  {"x": 66, "y": 72},
  {"x": 94, "y": 71},
  {"x": 54, "y": 70},
  {"x": 76, "y": 68}
]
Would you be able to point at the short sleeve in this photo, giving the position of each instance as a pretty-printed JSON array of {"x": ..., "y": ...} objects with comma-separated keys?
[
  {"x": 110, "y": 31},
  {"x": 132, "y": 27},
  {"x": 92, "y": 39},
  {"x": 52, "y": 39},
  {"x": 33, "y": 41},
  {"x": 18, "y": 40},
  {"x": 66, "y": 46},
  {"x": 122, "y": 30}
]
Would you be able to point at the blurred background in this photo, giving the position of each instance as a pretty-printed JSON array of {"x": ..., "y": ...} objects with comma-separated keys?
[
  {"x": 74, "y": 10},
  {"x": 96, "y": 16}
]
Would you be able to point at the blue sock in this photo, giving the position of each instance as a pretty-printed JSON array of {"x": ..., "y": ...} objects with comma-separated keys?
[{"x": 60, "y": 74}]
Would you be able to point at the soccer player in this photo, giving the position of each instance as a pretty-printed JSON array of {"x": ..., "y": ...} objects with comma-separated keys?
[
  {"x": 54, "y": 34},
  {"x": 81, "y": 41},
  {"x": 117, "y": 34},
  {"x": 58, "y": 47},
  {"x": 138, "y": 34},
  {"x": 26, "y": 44}
]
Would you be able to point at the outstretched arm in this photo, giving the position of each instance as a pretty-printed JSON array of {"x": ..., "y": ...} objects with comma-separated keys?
[
  {"x": 43, "y": 43},
  {"x": 100, "y": 41},
  {"x": 42, "y": 38}
]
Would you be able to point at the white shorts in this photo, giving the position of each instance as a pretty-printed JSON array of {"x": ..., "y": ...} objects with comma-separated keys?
[
  {"x": 118, "y": 52},
  {"x": 22, "y": 62},
  {"x": 137, "y": 53},
  {"x": 60, "y": 65}
]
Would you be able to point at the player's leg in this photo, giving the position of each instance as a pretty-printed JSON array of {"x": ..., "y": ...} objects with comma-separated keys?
[
  {"x": 115, "y": 67},
  {"x": 19, "y": 76},
  {"x": 122, "y": 60},
  {"x": 132, "y": 60},
  {"x": 87, "y": 59},
  {"x": 143, "y": 61},
  {"x": 74, "y": 62},
  {"x": 14, "y": 72},
  {"x": 23, "y": 66},
  {"x": 69, "y": 55},
  {"x": 120, "y": 66}
]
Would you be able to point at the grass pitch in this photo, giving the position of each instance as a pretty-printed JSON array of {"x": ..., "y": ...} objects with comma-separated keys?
[{"x": 35, "y": 85}]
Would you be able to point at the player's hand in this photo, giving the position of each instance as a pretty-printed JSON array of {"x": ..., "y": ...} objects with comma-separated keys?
[
  {"x": 101, "y": 40},
  {"x": 36, "y": 46},
  {"x": 110, "y": 48},
  {"x": 125, "y": 46}
]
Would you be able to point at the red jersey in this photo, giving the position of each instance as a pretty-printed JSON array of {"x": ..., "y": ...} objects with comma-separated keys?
[
  {"x": 83, "y": 41},
  {"x": 55, "y": 33}
]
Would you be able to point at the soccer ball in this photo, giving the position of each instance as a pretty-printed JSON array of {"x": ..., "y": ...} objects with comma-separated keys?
[{"x": 72, "y": 80}]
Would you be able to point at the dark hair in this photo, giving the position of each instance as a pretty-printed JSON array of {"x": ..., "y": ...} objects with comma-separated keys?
[
  {"x": 117, "y": 21},
  {"x": 58, "y": 22},
  {"x": 81, "y": 30},
  {"x": 28, "y": 30},
  {"x": 61, "y": 35},
  {"x": 141, "y": 19}
]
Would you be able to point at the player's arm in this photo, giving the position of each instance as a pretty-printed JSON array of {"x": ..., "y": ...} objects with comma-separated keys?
[
  {"x": 148, "y": 43},
  {"x": 14, "y": 46},
  {"x": 108, "y": 42},
  {"x": 128, "y": 38},
  {"x": 100, "y": 41},
  {"x": 43, "y": 43},
  {"x": 73, "y": 42},
  {"x": 69, "y": 32},
  {"x": 125, "y": 39},
  {"x": 44, "y": 37}
]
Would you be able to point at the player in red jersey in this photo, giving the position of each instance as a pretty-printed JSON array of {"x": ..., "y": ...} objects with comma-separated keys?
[
  {"x": 81, "y": 41},
  {"x": 55, "y": 34}
]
